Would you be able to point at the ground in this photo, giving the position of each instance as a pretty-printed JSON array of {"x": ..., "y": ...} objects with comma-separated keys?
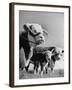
[{"x": 30, "y": 74}]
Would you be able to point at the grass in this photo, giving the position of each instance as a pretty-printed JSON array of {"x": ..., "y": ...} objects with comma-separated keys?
[{"x": 30, "y": 75}]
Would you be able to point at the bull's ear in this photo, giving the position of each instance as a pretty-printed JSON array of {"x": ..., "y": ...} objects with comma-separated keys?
[
  {"x": 30, "y": 27},
  {"x": 25, "y": 27},
  {"x": 45, "y": 31}
]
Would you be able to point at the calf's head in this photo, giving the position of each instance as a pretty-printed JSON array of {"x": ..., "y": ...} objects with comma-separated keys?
[{"x": 57, "y": 54}]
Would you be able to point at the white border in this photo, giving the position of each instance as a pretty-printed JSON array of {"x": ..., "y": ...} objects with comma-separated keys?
[{"x": 16, "y": 46}]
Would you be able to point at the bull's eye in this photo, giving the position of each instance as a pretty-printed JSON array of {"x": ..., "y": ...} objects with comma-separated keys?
[
  {"x": 30, "y": 27},
  {"x": 35, "y": 31}
]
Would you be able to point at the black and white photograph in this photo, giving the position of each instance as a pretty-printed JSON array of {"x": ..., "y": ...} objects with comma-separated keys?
[{"x": 41, "y": 44}]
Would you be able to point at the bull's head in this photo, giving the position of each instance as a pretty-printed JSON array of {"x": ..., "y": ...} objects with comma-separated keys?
[{"x": 35, "y": 32}]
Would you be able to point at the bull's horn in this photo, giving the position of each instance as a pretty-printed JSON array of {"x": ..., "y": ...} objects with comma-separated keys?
[{"x": 45, "y": 32}]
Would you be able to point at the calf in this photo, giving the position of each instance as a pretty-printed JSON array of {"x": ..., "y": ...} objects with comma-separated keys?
[
  {"x": 45, "y": 57},
  {"x": 40, "y": 59},
  {"x": 57, "y": 54}
]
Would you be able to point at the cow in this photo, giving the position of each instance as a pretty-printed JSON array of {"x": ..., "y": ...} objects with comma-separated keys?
[{"x": 29, "y": 39}]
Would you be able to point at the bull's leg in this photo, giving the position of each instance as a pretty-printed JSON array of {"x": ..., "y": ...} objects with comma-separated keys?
[
  {"x": 22, "y": 59},
  {"x": 27, "y": 63},
  {"x": 35, "y": 69},
  {"x": 26, "y": 67},
  {"x": 30, "y": 55}
]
